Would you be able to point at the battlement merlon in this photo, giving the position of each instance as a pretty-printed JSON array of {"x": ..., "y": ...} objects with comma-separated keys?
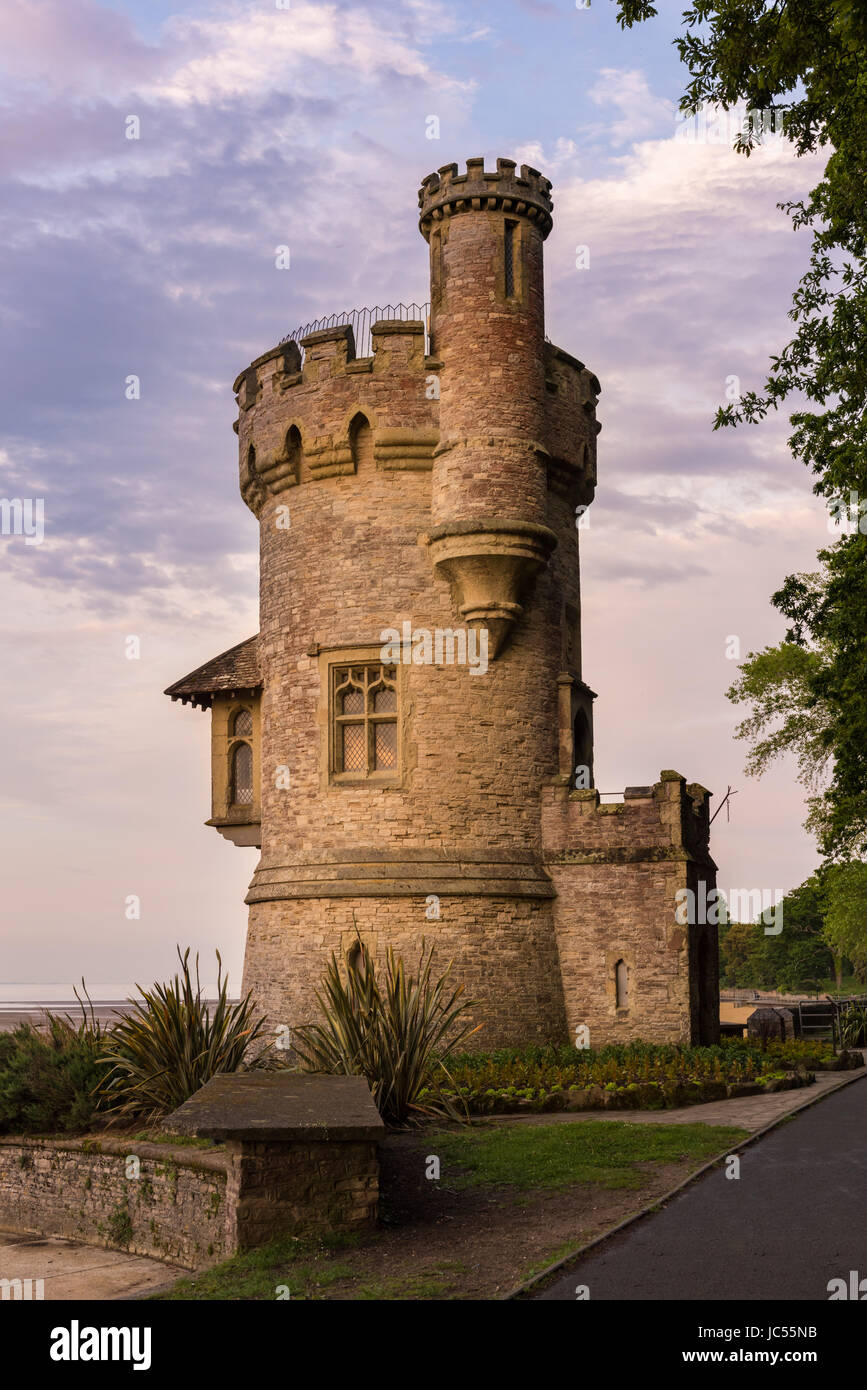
[
  {"x": 296, "y": 422},
  {"x": 524, "y": 195},
  {"x": 666, "y": 822},
  {"x": 395, "y": 342}
]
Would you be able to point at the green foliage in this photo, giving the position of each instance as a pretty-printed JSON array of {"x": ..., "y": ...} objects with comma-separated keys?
[
  {"x": 853, "y": 1026},
  {"x": 739, "y": 948},
  {"x": 828, "y": 614},
  {"x": 799, "y": 959},
  {"x": 120, "y": 1229},
  {"x": 556, "y": 1156},
  {"x": 171, "y": 1043},
  {"x": 48, "y": 1076},
  {"x": 304, "y": 1266},
  {"x": 647, "y": 1075},
  {"x": 786, "y": 717},
  {"x": 845, "y": 900},
  {"x": 390, "y": 1036},
  {"x": 804, "y": 59}
]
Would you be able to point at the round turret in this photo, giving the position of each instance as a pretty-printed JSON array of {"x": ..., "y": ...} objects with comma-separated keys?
[{"x": 490, "y": 485}]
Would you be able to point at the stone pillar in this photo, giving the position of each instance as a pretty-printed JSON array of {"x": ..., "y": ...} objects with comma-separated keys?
[
  {"x": 296, "y": 1187},
  {"x": 302, "y": 1152}
]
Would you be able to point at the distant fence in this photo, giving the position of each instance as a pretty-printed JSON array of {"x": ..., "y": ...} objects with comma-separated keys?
[
  {"x": 361, "y": 321},
  {"x": 759, "y": 996},
  {"x": 813, "y": 1017}
]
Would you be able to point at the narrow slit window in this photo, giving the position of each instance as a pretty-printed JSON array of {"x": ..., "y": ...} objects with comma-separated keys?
[
  {"x": 621, "y": 984},
  {"x": 509, "y": 253}
]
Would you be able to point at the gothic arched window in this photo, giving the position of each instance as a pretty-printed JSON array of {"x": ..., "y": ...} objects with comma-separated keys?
[
  {"x": 364, "y": 721},
  {"x": 241, "y": 760}
]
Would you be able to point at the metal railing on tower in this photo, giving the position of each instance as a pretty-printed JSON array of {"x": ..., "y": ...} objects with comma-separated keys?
[{"x": 361, "y": 321}]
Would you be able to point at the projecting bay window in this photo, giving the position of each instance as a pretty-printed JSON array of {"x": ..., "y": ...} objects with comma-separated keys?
[{"x": 235, "y": 762}]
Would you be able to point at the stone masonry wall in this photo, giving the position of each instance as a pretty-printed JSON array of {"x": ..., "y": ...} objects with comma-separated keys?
[
  {"x": 503, "y": 952},
  {"x": 277, "y": 1189},
  {"x": 616, "y": 869},
  {"x": 78, "y": 1188}
]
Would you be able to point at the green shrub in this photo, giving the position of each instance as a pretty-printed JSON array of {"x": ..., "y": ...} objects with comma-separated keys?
[
  {"x": 853, "y": 1026},
  {"x": 389, "y": 1036},
  {"x": 49, "y": 1076},
  {"x": 171, "y": 1043}
]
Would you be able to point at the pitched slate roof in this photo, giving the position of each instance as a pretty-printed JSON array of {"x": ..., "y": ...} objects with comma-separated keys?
[{"x": 234, "y": 670}]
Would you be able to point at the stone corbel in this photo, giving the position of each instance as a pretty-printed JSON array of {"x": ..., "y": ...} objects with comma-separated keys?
[{"x": 490, "y": 566}]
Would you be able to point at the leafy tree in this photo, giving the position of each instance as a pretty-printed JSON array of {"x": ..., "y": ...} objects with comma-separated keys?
[
  {"x": 786, "y": 717},
  {"x": 796, "y": 960},
  {"x": 802, "y": 62},
  {"x": 845, "y": 904},
  {"x": 799, "y": 958},
  {"x": 739, "y": 968}
]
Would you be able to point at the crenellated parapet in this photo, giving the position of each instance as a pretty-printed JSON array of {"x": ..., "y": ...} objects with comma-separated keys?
[
  {"x": 396, "y": 389},
  {"x": 636, "y": 961},
  {"x": 666, "y": 822},
  {"x": 297, "y": 422},
  {"x": 527, "y": 194}
]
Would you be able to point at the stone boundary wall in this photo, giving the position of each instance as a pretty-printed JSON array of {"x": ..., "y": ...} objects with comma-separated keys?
[{"x": 78, "y": 1188}]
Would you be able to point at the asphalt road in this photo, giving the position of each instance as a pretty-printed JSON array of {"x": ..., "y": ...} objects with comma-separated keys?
[{"x": 794, "y": 1219}]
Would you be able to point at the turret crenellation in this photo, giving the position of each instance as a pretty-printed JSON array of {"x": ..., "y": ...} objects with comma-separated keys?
[
  {"x": 527, "y": 194},
  {"x": 299, "y": 423}
]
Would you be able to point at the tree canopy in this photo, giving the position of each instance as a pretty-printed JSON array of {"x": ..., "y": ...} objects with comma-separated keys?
[{"x": 804, "y": 62}]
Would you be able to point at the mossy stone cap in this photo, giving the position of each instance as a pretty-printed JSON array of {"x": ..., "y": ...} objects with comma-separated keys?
[{"x": 276, "y": 1106}]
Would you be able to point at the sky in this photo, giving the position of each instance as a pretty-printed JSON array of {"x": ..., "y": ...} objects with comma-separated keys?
[{"x": 154, "y": 257}]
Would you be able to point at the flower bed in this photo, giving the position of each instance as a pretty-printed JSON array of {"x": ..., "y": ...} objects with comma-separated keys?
[{"x": 634, "y": 1076}]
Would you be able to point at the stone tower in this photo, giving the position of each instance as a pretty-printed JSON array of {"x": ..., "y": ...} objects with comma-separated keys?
[{"x": 409, "y": 738}]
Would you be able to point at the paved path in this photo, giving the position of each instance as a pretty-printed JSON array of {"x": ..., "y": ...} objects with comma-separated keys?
[
  {"x": 74, "y": 1271},
  {"x": 793, "y": 1220}
]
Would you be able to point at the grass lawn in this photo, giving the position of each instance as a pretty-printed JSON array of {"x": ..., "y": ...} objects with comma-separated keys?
[
  {"x": 512, "y": 1198},
  {"x": 557, "y": 1156}
]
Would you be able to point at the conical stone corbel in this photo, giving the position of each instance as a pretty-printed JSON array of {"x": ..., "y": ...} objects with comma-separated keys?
[{"x": 490, "y": 566}]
